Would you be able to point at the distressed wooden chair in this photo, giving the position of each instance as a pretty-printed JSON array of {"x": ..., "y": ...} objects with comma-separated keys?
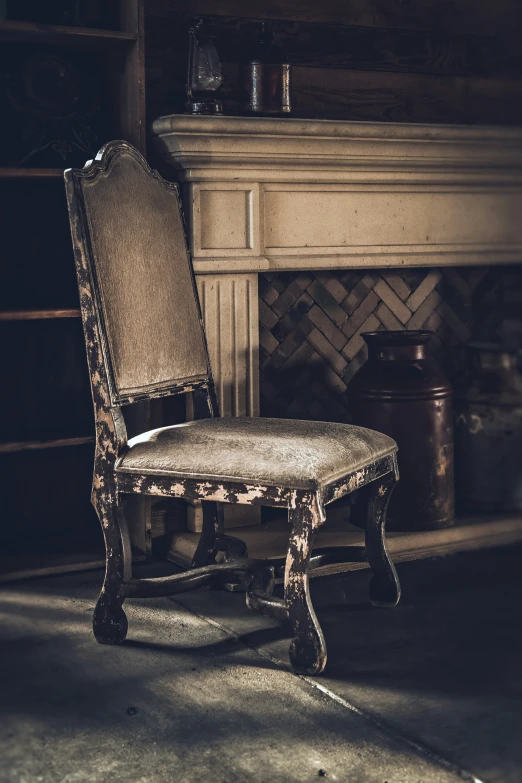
[{"x": 145, "y": 339}]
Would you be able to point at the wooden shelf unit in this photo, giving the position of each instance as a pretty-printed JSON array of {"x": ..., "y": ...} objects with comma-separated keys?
[{"x": 49, "y": 525}]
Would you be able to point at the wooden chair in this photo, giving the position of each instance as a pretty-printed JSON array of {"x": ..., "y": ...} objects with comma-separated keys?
[{"x": 145, "y": 339}]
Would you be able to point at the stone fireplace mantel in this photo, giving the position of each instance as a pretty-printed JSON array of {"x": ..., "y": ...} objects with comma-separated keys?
[
  {"x": 281, "y": 194},
  {"x": 286, "y": 194}
]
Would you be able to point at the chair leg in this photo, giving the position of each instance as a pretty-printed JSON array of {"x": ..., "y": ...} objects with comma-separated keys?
[
  {"x": 308, "y": 648},
  {"x": 109, "y": 620},
  {"x": 205, "y": 553},
  {"x": 213, "y": 540},
  {"x": 385, "y": 589}
]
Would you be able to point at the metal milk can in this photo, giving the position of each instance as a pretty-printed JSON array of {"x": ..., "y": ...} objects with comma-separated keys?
[
  {"x": 488, "y": 429},
  {"x": 401, "y": 392}
]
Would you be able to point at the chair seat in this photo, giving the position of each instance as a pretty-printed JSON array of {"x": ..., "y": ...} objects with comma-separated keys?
[{"x": 275, "y": 452}]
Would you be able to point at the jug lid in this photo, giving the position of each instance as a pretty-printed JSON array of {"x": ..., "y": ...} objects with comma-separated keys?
[{"x": 398, "y": 337}]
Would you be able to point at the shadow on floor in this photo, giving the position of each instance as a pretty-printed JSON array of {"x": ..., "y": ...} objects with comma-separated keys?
[
  {"x": 183, "y": 701},
  {"x": 444, "y": 667}
]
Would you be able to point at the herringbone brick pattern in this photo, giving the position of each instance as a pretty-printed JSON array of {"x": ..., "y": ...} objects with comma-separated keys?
[{"x": 311, "y": 326}]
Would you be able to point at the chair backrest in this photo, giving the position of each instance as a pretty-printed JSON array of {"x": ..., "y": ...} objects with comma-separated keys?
[{"x": 131, "y": 252}]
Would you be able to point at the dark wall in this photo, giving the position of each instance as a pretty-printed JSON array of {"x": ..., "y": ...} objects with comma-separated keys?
[{"x": 388, "y": 60}]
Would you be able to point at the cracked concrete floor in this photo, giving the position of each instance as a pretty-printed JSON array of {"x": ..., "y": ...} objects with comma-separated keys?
[{"x": 201, "y": 691}]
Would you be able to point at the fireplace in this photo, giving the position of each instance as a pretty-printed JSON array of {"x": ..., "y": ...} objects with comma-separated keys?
[
  {"x": 305, "y": 234},
  {"x": 268, "y": 196}
]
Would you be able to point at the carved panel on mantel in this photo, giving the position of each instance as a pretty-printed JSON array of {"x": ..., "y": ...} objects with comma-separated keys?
[
  {"x": 224, "y": 219},
  {"x": 403, "y": 220}
]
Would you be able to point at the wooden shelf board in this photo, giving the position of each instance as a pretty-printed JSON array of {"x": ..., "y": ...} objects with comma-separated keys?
[
  {"x": 20, "y": 32},
  {"x": 36, "y": 445},
  {"x": 269, "y": 540},
  {"x": 37, "y": 315},
  {"x": 126, "y": 80},
  {"x": 11, "y": 172},
  {"x": 14, "y": 568}
]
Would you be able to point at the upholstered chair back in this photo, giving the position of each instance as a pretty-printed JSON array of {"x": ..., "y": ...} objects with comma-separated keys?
[{"x": 142, "y": 279}]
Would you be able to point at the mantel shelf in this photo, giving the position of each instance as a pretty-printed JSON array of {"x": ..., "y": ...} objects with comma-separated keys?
[{"x": 285, "y": 194}]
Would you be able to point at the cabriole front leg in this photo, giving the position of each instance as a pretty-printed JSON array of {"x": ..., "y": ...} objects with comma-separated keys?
[
  {"x": 385, "y": 589},
  {"x": 109, "y": 620},
  {"x": 308, "y": 648}
]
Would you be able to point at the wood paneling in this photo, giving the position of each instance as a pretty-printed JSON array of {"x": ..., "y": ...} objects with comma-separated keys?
[
  {"x": 357, "y": 95},
  {"x": 467, "y": 16},
  {"x": 331, "y": 93},
  {"x": 339, "y": 46}
]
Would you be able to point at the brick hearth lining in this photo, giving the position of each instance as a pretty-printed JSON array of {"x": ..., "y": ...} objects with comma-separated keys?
[{"x": 311, "y": 325}]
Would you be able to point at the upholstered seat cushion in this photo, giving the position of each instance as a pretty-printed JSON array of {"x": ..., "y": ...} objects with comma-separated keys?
[{"x": 274, "y": 452}]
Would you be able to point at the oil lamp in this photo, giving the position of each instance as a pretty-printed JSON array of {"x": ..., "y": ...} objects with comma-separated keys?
[{"x": 204, "y": 77}]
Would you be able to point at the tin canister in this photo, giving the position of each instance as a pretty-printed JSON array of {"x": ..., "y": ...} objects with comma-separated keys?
[
  {"x": 488, "y": 429},
  {"x": 402, "y": 392}
]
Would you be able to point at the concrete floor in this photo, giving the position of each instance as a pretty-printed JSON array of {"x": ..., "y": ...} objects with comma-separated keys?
[{"x": 430, "y": 692}]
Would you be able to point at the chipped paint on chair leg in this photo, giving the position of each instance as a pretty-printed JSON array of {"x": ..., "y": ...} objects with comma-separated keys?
[
  {"x": 109, "y": 620},
  {"x": 308, "y": 648},
  {"x": 205, "y": 553},
  {"x": 385, "y": 589}
]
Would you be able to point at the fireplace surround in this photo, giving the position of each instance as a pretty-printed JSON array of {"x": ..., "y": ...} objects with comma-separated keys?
[{"x": 272, "y": 196}]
